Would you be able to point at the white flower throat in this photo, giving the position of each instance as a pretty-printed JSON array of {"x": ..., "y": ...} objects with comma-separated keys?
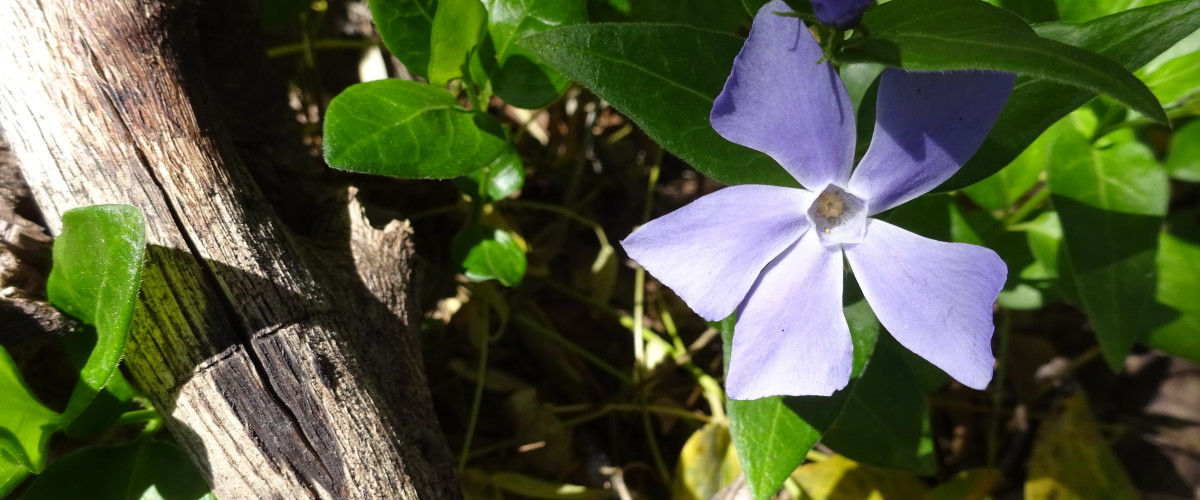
[{"x": 838, "y": 216}]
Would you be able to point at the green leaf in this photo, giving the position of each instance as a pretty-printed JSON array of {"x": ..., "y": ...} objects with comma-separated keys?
[
  {"x": 1086, "y": 10},
  {"x": 96, "y": 276},
  {"x": 497, "y": 181},
  {"x": 1111, "y": 203},
  {"x": 772, "y": 435},
  {"x": 1183, "y": 160},
  {"x": 145, "y": 469},
  {"x": 518, "y": 79},
  {"x": 488, "y": 253},
  {"x": 1175, "y": 74},
  {"x": 12, "y": 474},
  {"x": 408, "y": 129},
  {"x": 1130, "y": 38},
  {"x": 1179, "y": 288},
  {"x": 665, "y": 78},
  {"x": 886, "y": 421},
  {"x": 932, "y": 35},
  {"x": 458, "y": 27},
  {"x": 717, "y": 15},
  {"x": 25, "y": 425},
  {"x": 1003, "y": 189},
  {"x": 406, "y": 27}
]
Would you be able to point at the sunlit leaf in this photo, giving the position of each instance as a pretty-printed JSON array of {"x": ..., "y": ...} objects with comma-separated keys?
[
  {"x": 408, "y": 129},
  {"x": 938, "y": 35},
  {"x": 839, "y": 478},
  {"x": 707, "y": 464},
  {"x": 25, "y": 424},
  {"x": 1131, "y": 38},
  {"x": 1111, "y": 203},
  {"x": 96, "y": 277},
  {"x": 458, "y": 27}
]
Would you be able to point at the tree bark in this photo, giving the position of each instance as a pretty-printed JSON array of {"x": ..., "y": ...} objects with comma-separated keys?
[{"x": 286, "y": 370}]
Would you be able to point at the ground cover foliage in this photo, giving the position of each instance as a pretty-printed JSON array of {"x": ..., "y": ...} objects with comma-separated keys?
[{"x": 524, "y": 138}]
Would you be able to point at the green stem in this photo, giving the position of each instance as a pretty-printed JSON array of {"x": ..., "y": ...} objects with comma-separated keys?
[
  {"x": 993, "y": 438},
  {"x": 554, "y": 336},
  {"x": 639, "y": 286},
  {"x": 137, "y": 417},
  {"x": 476, "y": 401},
  {"x": 319, "y": 44},
  {"x": 1033, "y": 203}
]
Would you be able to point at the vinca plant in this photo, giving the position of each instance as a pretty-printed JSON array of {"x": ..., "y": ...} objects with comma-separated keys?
[{"x": 795, "y": 249}]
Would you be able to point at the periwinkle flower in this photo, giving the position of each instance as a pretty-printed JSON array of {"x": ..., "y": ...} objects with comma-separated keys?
[
  {"x": 775, "y": 254},
  {"x": 840, "y": 13}
]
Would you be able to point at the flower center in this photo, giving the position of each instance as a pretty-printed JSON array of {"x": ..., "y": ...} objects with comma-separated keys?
[{"x": 838, "y": 216}]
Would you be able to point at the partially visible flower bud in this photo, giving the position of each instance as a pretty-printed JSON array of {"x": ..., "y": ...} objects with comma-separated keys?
[{"x": 840, "y": 13}]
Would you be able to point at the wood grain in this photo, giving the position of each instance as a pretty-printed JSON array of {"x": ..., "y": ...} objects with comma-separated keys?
[{"x": 288, "y": 370}]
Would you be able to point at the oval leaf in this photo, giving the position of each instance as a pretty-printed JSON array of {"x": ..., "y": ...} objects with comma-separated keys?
[
  {"x": 934, "y": 35},
  {"x": 1131, "y": 38},
  {"x": 1111, "y": 203},
  {"x": 96, "y": 276},
  {"x": 665, "y": 78},
  {"x": 408, "y": 129},
  {"x": 406, "y": 27},
  {"x": 517, "y": 79},
  {"x": 487, "y": 253}
]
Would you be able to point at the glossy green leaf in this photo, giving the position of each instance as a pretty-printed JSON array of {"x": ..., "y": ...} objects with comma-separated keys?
[
  {"x": 497, "y": 181},
  {"x": 886, "y": 419},
  {"x": 488, "y": 253},
  {"x": 518, "y": 79},
  {"x": 408, "y": 129},
  {"x": 1183, "y": 160},
  {"x": 12, "y": 474},
  {"x": 1034, "y": 11},
  {"x": 932, "y": 35},
  {"x": 458, "y": 27},
  {"x": 1111, "y": 203},
  {"x": 772, "y": 435},
  {"x": 96, "y": 277},
  {"x": 145, "y": 469},
  {"x": 1130, "y": 38},
  {"x": 665, "y": 78},
  {"x": 406, "y": 27},
  {"x": 1176, "y": 331},
  {"x": 25, "y": 425},
  {"x": 1175, "y": 74}
]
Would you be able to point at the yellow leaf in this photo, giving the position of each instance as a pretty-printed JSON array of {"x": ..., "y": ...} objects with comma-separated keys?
[
  {"x": 1072, "y": 461},
  {"x": 840, "y": 478},
  {"x": 972, "y": 484},
  {"x": 707, "y": 463}
]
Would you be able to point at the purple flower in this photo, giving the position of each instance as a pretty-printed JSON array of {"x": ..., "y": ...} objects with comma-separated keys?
[
  {"x": 775, "y": 254},
  {"x": 840, "y": 13}
]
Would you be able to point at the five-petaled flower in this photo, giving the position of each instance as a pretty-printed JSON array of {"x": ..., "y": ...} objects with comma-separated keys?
[{"x": 775, "y": 254}]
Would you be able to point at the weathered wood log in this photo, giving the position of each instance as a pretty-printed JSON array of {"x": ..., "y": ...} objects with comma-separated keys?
[{"x": 286, "y": 370}]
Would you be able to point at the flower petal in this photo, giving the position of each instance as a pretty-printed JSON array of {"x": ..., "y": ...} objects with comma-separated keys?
[
  {"x": 928, "y": 125},
  {"x": 780, "y": 101},
  {"x": 936, "y": 298},
  {"x": 710, "y": 251},
  {"x": 840, "y": 13},
  {"x": 791, "y": 336}
]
